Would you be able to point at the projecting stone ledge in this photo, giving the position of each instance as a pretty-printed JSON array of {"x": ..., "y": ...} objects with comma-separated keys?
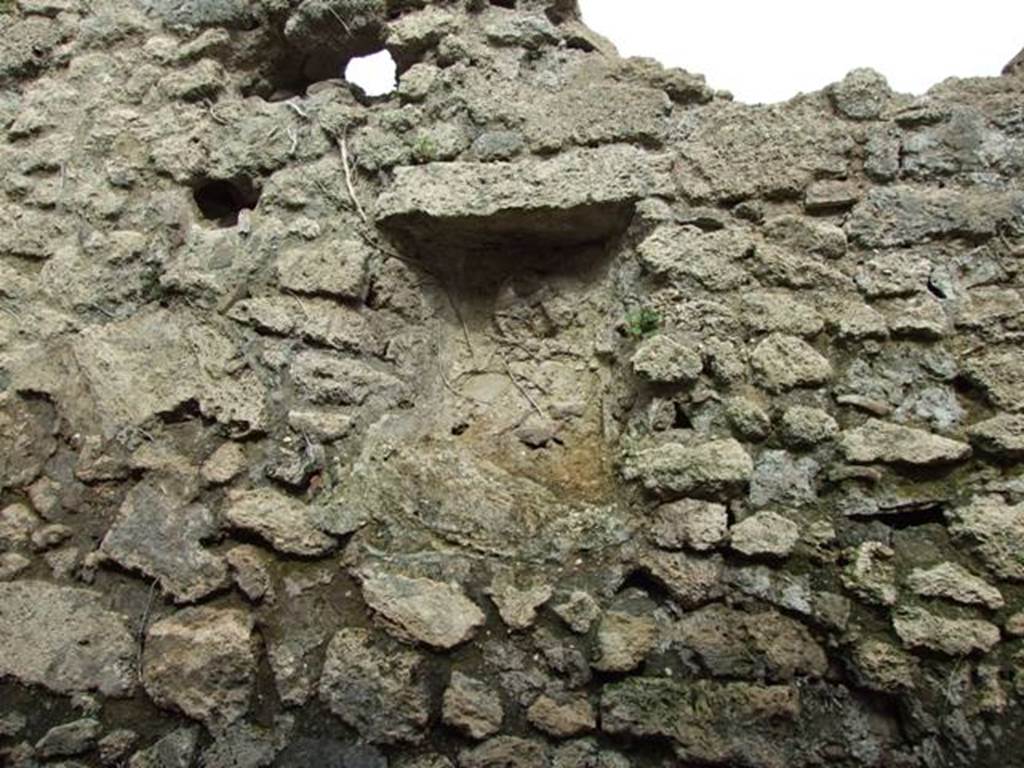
[{"x": 578, "y": 197}]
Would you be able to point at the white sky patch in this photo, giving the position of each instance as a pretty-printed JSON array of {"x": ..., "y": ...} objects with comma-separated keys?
[
  {"x": 375, "y": 73},
  {"x": 770, "y": 51}
]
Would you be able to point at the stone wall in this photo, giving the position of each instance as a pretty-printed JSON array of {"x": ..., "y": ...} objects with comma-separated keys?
[{"x": 555, "y": 410}]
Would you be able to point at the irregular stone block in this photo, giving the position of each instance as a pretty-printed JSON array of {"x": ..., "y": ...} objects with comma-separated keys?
[
  {"x": 287, "y": 523},
  {"x": 996, "y": 530},
  {"x": 732, "y": 643},
  {"x": 764, "y": 533},
  {"x": 903, "y": 215},
  {"x": 158, "y": 533},
  {"x": 200, "y": 661},
  {"x": 472, "y": 707},
  {"x": 956, "y": 583},
  {"x": 61, "y": 638},
  {"x": 376, "y": 688},
  {"x": 707, "y": 721},
  {"x": 782, "y": 362},
  {"x": 918, "y": 628},
  {"x": 716, "y": 468},
  {"x": 439, "y": 615},
  {"x": 880, "y": 441},
  {"x": 1001, "y": 436}
]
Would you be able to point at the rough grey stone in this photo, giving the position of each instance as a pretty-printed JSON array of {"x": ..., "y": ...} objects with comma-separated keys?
[
  {"x": 707, "y": 721},
  {"x": 764, "y": 533},
  {"x": 160, "y": 534},
  {"x": 321, "y": 321},
  {"x": 61, "y": 638},
  {"x": 224, "y": 464},
  {"x": 735, "y": 644},
  {"x": 436, "y": 614},
  {"x": 153, "y": 364},
  {"x": 686, "y": 254},
  {"x": 782, "y": 362},
  {"x": 664, "y": 360},
  {"x": 871, "y": 574},
  {"x": 250, "y": 567},
  {"x": 880, "y": 441},
  {"x": 175, "y": 750},
  {"x": 472, "y": 707},
  {"x": 956, "y": 583},
  {"x": 1001, "y": 436},
  {"x": 803, "y": 426},
  {"x": 623, "y": 640},
  {"x": 902, "y": 215},
  {"x": 690, "y": 524},
  {"x": 505, "y": 752},
  {"x": 577, "y": 197},
  {"x": 518, "y": 607},
  {"x": 997, "y": 372},
  {"x": 284, "y": 521},
  {"x": 779, "y": 312},
  {"x": 17, "y": 524},
  {"x": 201, "y": 662},
  {"x": 882, "y": 667},
  {"x": 918, "y": 628},
  {"x": 995, "y": 529},
  {"x": 68, "y": 739},
  {"x": 830, "y": 196},
  {"x": 691, "y": 580},
  {"x": 715, "y": 468},
  {"x": 326, "y": 379},
  {"x": 792, "y": 593},
  {"x": 598, "y": 115},
  {"x": 562, "y": 718},
  {"x": 861, "y": 95},
  {"x": 579, "y": 611},
  {"x": 334, "y": 267},
  {"x": 783, "y": 479},
  {"x": 375, "y": 688},
  {"x": 817, "y": 238}
]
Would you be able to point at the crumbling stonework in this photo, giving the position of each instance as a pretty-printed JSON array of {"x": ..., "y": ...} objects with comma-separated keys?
[{"x": 554, "y": 410}]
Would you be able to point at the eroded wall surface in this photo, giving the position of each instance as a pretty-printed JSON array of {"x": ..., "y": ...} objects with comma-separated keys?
[{"x": 554, "y": 410}]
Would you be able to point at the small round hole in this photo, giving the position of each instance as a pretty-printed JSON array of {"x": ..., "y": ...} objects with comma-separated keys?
[
  {"x": 221, "y": 200},
  {"x": 375, "y": 74}
]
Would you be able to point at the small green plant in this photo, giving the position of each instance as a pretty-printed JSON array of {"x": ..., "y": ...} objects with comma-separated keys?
[
  {"x": 425, "y": 148},
  {"x": 6, "y": 6},
  {"x": 642, "y": 322}
]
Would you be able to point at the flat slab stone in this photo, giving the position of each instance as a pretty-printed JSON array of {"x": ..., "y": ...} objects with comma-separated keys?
[
  {"x": 159, "y": 534},
  {"x": 62, "y": 638},
  {"x": 715, "y": 468},
  {"x": 377, "y": 688},
  {"x": 918, "y": 628},
  {"x": 430, "y": 612},
  {"x": 903, "y": 215},
  {"x": 285, "y": 522},
  {"x": 880, "y": 441},
  {"x": 578, "y": 197},
  {"x": 200, "y": 661}
]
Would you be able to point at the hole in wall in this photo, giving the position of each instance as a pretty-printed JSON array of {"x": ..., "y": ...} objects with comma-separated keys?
[
  {"x": 222, "y": 200},
  {"x": 504, "y": 3},
  {"x": 375, "y": 75}
]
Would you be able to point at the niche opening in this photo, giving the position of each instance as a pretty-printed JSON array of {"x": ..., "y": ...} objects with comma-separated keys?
[{"x": 221, "y": 200}]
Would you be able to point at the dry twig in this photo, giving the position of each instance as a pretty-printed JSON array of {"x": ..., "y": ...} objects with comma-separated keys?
[
  {"x": 348, "y": 178},
  {"x": 520, "y": 387},
  {"x": 145, "y": 623}
]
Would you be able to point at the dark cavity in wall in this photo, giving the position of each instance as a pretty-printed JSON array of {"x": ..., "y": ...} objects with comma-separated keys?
[{"x": 222, "y": 200}]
